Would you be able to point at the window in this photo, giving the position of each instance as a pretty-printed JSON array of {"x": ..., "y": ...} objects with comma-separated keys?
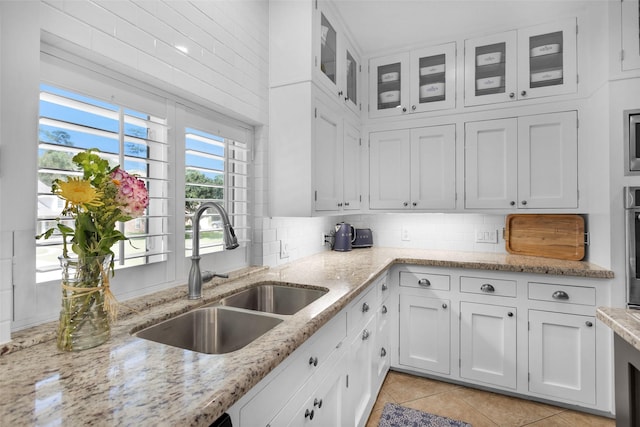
[
  {"x": 137, "y": 141},
  {"x": 216, "y": 169}
]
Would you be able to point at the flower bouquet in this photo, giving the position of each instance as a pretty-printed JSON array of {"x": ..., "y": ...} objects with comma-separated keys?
[{"x": 98, "y": 200}]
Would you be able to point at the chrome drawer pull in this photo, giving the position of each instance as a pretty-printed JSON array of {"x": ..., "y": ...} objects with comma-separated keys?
[
  {"x": 365, "y": 335},
  {"x": 317, "y": 402},
  {"x": 487, "y": 288},
  {"x": 560, "y": 295},
  {"x": 308, "y": 414},
  {"x": 365, "y": 307},
  {"x": 384, "y": 309},
  {"x": 384, "y": 287},
  {"x": 588, "y": 323},
  {"x": 444, "y": 306},
  {"x": 424, "y": 282},
  {"x": 313, "y": 361},
  {"x": 383, "y": 352}
]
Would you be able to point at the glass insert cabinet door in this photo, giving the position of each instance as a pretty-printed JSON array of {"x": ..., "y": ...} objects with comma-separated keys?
[
  {"x": 351, "y": 74},
  {"x": 547, "y": 59},
  {"x": 328, "y": 49},
  {"x": 433, "y": 78},
  {"x": 490, "y": 69},
  {"x": 389, "y": 85}
]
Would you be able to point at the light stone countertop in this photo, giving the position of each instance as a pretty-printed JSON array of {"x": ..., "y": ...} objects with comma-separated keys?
[
  {"x": 623, "y": 321},
  {"x": 131, "y": 381}
]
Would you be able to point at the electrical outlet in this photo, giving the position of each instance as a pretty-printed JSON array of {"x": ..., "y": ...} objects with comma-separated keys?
[
  {"x": 284, "y": 249},
  {"x": 487, "y": 236},
  {"x": 404, "y": 234}
]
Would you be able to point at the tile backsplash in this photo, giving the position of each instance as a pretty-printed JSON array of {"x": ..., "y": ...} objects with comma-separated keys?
[{"x": 303, "y": 236}]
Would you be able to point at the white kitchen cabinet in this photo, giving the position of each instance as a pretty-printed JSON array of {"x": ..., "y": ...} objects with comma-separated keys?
[
  {"x": 361, "y": 365},
  {"x": 529, "y": 162},
  {"x": 425, "y": 333},
  {"x": 630, "y": 17},
  {"x": 337, "y": 65},
  {"x": 382, "y": 351},
  {"x": 413, "y": 169},
  {"x": 488, "y": 344},
  {"x": 308, "y": 43},
  {"x": 412, "y": 82},
  {"x": 526, "y": 63},
  {"x": 287, "y": 388},
  {"x": 562, "y": 356},
  {"x": 314, "y": 154},
  {"x": 322, "y": 407}
]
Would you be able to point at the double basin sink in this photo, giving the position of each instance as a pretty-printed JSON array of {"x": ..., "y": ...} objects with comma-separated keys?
[{"x": 217, "y": 329}]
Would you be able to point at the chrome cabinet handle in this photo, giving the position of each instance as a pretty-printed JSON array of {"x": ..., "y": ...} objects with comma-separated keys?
[
  {"x": 562, "y": 295},
  {"x": 384, "y": 287},
  {"x": 487, "y": 288},
  {"x": 384, "y": 309},
  {"x": 404, "y": 109},
  {"x": 405, "y": 204},
  {"x": 512, "y": 203},
  {"x": 346, "y": 203},
  {"x": 523, "y": 93},
  {"x": 588, "y": 323},
  {"x": 444, "y": 306},
  {"x": 510, "y": 314},
  {"x": 512, "y": 95},
  {"x": 365, "y": 334},
  {"x": 414, "y": 204},
  {"x": 317, "y": 402},
  {"x": 365, "y": 307},
  {"x": 313, "y": 361},
  {"x": 413, "y": 107},
  {"x": 424, "y": 282},
  {"x": 383, "y": 352},
  {"x": 308, "y": 414},
  {"x": 524, "y": 203}
]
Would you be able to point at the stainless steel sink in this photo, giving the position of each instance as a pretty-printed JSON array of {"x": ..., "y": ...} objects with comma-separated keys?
[
  {"x": 211, "y": 330},
  {"x": 273, "y": 298}
]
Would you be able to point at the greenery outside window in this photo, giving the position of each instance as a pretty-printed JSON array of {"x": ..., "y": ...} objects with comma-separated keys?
[{"x": 216, "y": 169}]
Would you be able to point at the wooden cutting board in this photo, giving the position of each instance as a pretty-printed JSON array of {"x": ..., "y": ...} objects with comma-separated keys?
[{"x": 545, "y": 235}]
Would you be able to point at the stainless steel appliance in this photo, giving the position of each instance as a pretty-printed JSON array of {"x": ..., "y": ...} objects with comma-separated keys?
[
  {"x": 632, "y": 207},
  {"x": 632, "y": 137}
]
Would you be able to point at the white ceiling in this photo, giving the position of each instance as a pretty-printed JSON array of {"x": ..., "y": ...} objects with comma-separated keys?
[{"x": 383, "y": 25}]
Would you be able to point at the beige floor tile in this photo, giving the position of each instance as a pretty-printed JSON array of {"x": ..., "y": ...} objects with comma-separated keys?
[
  {"x": 553, "y": 421},
  {"x": 451, "y": 405},
  {"x": 586, "y": 420},
  {"x": 404, "y": 388},
  {"x": 383, "y": 397},
  {"x": 374, "y": 418},
  {"x": 507, "y": 411}
]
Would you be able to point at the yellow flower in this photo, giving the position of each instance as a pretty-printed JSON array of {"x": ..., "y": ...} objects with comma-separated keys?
[{"x": 79, "y": 192}]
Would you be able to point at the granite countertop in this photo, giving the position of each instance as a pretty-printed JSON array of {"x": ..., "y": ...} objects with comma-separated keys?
[
  {"x": 623, "y": 321},
  {"x": 131, "y": 381}
]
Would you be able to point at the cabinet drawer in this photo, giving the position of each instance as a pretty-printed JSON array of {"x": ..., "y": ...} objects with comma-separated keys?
[
  {"x": 304, "y": 362},
  {"x": 562, "y": 293},
  {"x": 362, "y": 309},
  {"x": 479, "y": 285},
  {"x": 436, "y": 282}
]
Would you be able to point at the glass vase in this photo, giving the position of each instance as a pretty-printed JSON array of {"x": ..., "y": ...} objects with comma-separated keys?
[{"x": 84, "y": 322}]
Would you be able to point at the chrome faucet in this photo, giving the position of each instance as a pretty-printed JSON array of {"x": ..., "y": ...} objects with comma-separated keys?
[{"x": 230, "y": 242}]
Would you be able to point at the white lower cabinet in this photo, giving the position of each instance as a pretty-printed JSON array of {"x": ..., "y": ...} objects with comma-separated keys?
[
  {"x": 425, "y": 333},
  {"x": 488, "y": 343},
  {"x": 527, "y": 334},
  {"x": 322, "y": 407},
  {"x": 361, "y": 365}
]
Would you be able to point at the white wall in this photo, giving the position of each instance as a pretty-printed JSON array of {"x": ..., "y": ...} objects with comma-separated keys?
[{"x": 226, "y": 69}]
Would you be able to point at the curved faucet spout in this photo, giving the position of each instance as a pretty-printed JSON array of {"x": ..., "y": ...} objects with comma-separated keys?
[{"x": 230, "y": 242}]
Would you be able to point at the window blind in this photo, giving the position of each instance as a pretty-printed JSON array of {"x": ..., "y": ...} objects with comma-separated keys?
[{"x": 69, "y": 123}]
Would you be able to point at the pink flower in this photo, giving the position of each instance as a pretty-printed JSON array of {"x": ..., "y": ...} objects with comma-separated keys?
[{"x": 132, "y": 196}]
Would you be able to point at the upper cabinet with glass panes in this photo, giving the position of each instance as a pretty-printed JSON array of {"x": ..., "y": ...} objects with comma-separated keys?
[
  {"x": 412, "y": 82},
  {"x": 528, "y": 63},
  {"x": 308, "y": 42},
  {"x": 337, "y": 65}
]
